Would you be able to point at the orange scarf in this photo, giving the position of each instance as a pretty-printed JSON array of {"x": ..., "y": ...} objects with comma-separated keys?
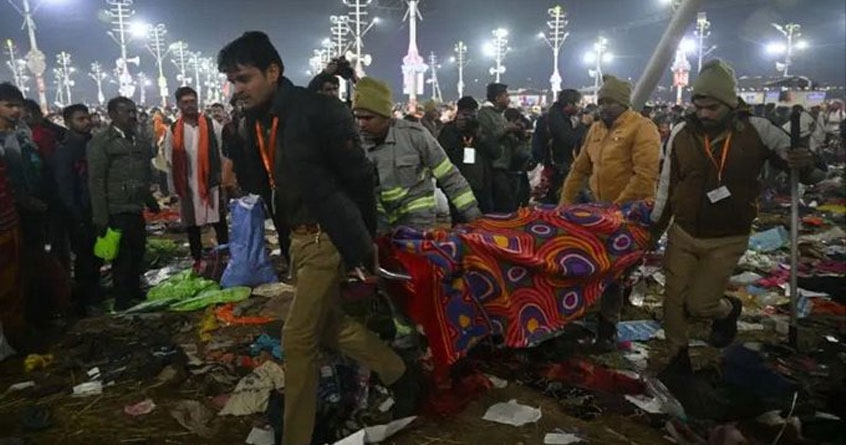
[{"x": 180, "y": 159}]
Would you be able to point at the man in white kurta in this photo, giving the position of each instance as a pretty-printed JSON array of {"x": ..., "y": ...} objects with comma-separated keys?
[{"x": 199, "y": 195}]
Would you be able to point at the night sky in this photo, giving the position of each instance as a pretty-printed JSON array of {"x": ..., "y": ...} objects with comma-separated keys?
[{"x": 740, "y": 29}]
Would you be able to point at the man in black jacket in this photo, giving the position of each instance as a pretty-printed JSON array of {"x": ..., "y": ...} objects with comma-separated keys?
[
  {"x": 565, "y": 138},
  {"x": 71, "y": 172},
  {"x": 461, "y": 140},
  {"x": 324, "y": 185}
]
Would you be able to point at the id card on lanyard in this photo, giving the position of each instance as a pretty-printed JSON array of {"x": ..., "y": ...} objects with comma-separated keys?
[
  {"x": 469, "y": 151},
  {"x": 267, "y": 149},
  {"x": 722, "y": 192}
]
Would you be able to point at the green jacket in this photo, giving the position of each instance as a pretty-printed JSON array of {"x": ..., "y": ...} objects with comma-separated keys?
[
  {"x": 409, "y": 162},
  {"x": 118, "y": 175}
]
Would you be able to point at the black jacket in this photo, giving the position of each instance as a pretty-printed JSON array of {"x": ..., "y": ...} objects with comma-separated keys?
[
  {"x": 566, "y": 137},
  {"x": 478, "y": 174},
  {"x": 70, "y": 167},
  {"x": 322, "y": 175}
]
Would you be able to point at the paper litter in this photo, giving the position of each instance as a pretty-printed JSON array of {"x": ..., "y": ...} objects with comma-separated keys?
[
  {"x": 512, "y": 413},
  {"x": 561, "y": 439}
]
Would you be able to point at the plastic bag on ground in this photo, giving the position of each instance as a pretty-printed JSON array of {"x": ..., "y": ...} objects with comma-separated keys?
[
  {"x": 512, "y": 413},
  {"x": 249, "y": 264},
  {"x": 183, "y": 285},
  {"x": 212, "y": 296}
]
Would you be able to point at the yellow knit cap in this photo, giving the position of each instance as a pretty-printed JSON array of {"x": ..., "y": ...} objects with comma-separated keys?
[{"x": 373, "y": 95}]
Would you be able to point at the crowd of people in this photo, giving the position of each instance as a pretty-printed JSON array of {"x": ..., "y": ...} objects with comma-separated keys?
[{"x": 316, "y": 160}]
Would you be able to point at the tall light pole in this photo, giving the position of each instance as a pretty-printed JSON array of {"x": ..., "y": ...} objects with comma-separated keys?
[
  {"x": 179, "y": 49},
  {"x": 597, "y": 57},
  {"x": 702, "y": 32},
  {"x": 555, "y": 38},
  {"x": 36, "y": 61},
  {"x": 143, "y": 83},
  {"x": 211, "y": 80},
  {"x": 792, "y": 33},
  {"x": 18, "y": 67},
  {"x": 340, "y": 30},
  {"x": 413, "y": 66},
  {"x": 99, "y": 76},
  {"x": 681, "y": 68},
  {"x": 120, "y": 12},
  {"x": 157, "y": 47},
  {"x": 436, "y": 88},
  {"x": 460, "y": 59},
  {"x": 359, "y": 26},
  {"x": 498, "y": 47},
  {"x": 63, "y": 60},
  {"x": 195, "y": 61}
]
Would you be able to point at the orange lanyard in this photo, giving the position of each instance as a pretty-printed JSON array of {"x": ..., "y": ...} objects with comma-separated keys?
[
  {"x": 268, "y": 151},
  {"x": 721, "y": 167}
]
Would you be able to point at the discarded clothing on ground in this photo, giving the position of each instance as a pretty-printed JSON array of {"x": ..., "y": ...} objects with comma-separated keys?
[{"x": 252, "y": 393}]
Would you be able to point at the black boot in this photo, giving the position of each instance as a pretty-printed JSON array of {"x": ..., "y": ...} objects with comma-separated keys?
[
  {"x": 407, "y": 391},
  {"x": 680, "y": 364},
  {"x": 723, "y": 331},
  {"x": 606, "y": 338}
]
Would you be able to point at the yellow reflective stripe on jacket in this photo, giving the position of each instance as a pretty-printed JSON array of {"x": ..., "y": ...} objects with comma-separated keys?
[
  {"x": 417, "y": 204},
  {"x": 442, "y": 169},
  {"x": 394, "y": 194},
  {"x": 463, "y": 200}
]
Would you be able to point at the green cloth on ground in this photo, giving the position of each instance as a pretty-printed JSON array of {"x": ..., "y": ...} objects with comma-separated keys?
[
  {"x": 213, "y": 296},
  {"x": 181, "y": 286}
]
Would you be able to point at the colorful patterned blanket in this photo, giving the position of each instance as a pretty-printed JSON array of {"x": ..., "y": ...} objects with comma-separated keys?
[{"x": 520, "y": 277}]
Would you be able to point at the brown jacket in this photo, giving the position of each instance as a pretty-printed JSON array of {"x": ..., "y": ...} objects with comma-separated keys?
[
  {"x": 621, "y": 162},
  {"x": 688, "y": 174}
]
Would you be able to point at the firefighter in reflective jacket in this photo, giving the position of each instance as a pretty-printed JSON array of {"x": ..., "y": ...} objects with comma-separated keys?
[{"x": 409, "y": 160}]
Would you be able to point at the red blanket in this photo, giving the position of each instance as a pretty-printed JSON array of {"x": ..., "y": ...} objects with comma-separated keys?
[{"x": 520, "y": 277}]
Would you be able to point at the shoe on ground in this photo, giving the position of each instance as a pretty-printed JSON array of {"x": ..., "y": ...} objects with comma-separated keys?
[
  {"x": 724, "y": 331},
  {"x": 408, "y": 391},
  {"x": 606, "y": 338},
  {"x": 680, "y": 364}
]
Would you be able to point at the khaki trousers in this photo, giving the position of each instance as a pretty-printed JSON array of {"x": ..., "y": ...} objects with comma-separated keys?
[
  {"x": 698, "y": 272},
  {"x": 316, "y": 319}
]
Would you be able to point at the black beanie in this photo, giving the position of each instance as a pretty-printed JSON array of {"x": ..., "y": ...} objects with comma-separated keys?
[
  {"x": 495, "y": 89},
  {"x": 467, "y": 103}
]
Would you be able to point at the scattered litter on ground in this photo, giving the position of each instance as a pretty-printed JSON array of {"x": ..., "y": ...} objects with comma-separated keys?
[
  {"x": 561, "y": 439},
  {"x": 141, "y": 408},
  {"x": 512, "y": 413},
  {"x": 253, "y": 391},
  {"x": 194, "y": 417}
]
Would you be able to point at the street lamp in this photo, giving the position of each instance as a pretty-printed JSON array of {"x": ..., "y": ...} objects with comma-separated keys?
[
  {"x": 99, "y": 76},
  {"x": 413, "y": 66},
  {"x": 156, "y": 46},
  {"x": 791, "y": 32},
  {"x": 358, "y": 19},
  {"x": 460, "y": 59},
  {"x": 119, "y": 13},
  {"x": 555, "y": 39},
  {"x": 681, "y": 67},
  {"x": 36, "y": 61},
  {"x": 436, "y": 88},
  {"x": 63, "y": 60},
  {"x": 597, "y": 57},
  {"x": 498, "y": 48},
  {"x": 18, "y": 67},
  {"x": 179, "y": 50},
  {"x": 702, "y": 32}
]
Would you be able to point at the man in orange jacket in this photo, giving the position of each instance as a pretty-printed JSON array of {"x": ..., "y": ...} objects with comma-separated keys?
[{"x": 619, "y": 159}]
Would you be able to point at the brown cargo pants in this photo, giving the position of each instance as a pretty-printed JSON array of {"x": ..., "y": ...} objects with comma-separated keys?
[
  {"x": 316, "y": 319},
  {"x": 698, "y": 272}
]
